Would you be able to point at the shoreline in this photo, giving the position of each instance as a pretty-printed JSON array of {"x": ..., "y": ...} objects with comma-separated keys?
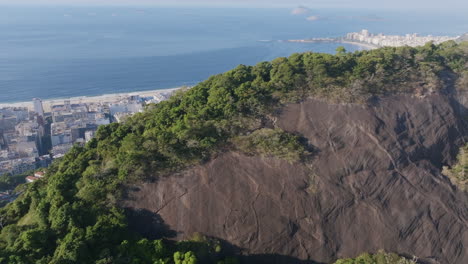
[
  {"x": 108, "y": 98},
  {"x": 339, "y": 41},
  {"x": 360, "y": 44}
]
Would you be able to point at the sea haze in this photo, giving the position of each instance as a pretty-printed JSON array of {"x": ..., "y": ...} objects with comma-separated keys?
[{"x": 52, "y": 52}]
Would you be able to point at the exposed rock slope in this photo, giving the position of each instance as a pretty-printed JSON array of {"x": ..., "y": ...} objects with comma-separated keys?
[{"x": 374, "y": 183}]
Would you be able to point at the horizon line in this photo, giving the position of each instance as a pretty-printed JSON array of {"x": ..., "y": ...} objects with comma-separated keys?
[{"x": 242, "y": 5}]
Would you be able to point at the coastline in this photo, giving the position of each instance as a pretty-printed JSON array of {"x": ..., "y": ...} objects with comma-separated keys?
[
  {"x": 108, "y": 98},
  {"x": 360, "y": 44},
  {"x": 342, "y": 41}
]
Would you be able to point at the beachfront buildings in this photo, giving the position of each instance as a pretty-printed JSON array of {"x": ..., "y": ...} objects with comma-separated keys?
[
  {"x": 30, "y": 139},
  {"x": 38, "y": 108},
  {"x": 381, "y": 40}
]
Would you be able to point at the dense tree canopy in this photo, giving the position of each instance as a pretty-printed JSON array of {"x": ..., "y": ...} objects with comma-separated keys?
[{"x": 73, "y": 215}]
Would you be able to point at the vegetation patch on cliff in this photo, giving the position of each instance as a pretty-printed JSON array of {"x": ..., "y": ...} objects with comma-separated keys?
[
  {"x": 272, "y": 142},
  {"x": 458, "y": 174},
  {"x": 379, "y": 258}
]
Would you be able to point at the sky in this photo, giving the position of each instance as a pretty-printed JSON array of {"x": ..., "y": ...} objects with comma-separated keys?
[{"x": 394, "y": 4}]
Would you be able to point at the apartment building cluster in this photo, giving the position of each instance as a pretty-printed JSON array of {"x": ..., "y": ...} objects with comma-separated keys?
[
  {"x": 74, "y": 123},
  {"x": 381, "y": 40},
  {"x": 77, "y": 123},
  {"x": 32, "y": 138},
  {"x": 21, "y": 140}
]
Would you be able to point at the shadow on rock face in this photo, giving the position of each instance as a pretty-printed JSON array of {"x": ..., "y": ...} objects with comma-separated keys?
[
  {"x": 233, "y": 250},
  {"x": 148, "y": 224},
  {"x": 273, "y": 259}
]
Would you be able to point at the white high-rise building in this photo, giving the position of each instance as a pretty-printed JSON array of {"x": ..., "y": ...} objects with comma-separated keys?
[
  {"x": 365, "y": 33},
  {"x": 89, "y": 135},
  {"x": 38, "y": 106}
]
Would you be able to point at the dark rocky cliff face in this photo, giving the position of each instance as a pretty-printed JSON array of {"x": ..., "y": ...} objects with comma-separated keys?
[{"x": 373, "y": 183}]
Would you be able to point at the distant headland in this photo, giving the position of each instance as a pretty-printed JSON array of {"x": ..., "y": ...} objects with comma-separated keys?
[{"x": 372, "y": 41}]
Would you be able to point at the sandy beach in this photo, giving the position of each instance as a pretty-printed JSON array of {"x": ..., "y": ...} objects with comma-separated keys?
[
  {"x": 330, "y": 40},
  {"x": 360, "y": 44},
  {"x": 108, "y": 98}
]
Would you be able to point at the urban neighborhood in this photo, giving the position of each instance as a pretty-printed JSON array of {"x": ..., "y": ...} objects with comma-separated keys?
[
  {"x": 382, "y": 40},
  {"x": 31, "y": 137}
]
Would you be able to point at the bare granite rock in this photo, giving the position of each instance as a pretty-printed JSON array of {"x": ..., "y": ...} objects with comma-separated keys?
[{"x": 374, "y": 183}]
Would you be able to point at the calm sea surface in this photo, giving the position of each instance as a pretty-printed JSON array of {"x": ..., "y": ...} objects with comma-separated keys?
[{"x": 63, "y": 52}]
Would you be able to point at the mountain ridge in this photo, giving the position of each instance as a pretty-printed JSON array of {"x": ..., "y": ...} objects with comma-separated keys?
[{"x": 342, "y": 127}]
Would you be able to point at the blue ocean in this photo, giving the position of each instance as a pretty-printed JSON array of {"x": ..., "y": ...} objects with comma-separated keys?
[{"x": 60, "y": 52}]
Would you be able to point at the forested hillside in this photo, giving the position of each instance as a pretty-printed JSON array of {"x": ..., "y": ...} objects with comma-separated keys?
[{"x": 74, "y": 215}]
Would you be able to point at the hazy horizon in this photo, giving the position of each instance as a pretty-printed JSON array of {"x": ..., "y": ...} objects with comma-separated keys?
[{"x": 396, "y": 4}]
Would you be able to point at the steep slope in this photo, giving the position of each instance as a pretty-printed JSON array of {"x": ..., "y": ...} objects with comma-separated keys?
[
  {"x": 301, "y": 159},
  {"x": 374, "y": 183}
]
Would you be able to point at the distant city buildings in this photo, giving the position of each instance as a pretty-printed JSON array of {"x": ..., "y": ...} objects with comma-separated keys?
[
  {"x": 38, "y": 108},
  {"x": 20, "y": 140},
  {"x": 381, "y": 40},
  {"x": 371, "y": 41},
  {"x": 31, "y": 139},
  {"x": 89, "y": 135},
  {"x": 17, "y": 166}
]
